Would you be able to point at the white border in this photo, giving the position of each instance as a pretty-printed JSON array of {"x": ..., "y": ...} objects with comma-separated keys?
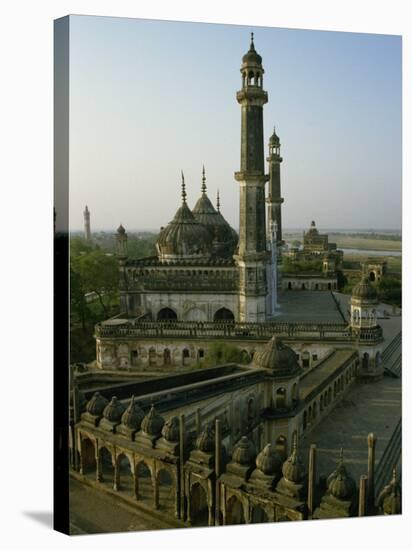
[{"x": 26, "y": 36}]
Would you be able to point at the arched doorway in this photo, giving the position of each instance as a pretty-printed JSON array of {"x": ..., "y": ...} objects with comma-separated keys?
[
  {"x": 166, "y": 490},
  {"x": 281, "y": 446},
  {"x": 365, "y": 360},
  {"x": 372, "y": 276},
  {"x": 305, "y": 359},
  {"x": 166, "y": 314},
  {"x": 125, "y": 477},
  {"x": 152, "y": 357},
  {"x": 185, "y": 357},
  {"x": 167, "y": 357},
  {"x": 106, "y": 466},
  {"x": 199, "y": 511},
  {"x": 223, "y": 314},
  {"x": 234, "y": 512},
  {"x": 144, "y": 486},
  {"x": 281, "y": 398},
  {"x": 289, "y": 286},
  {"x": 259, "y": 515},
  {"x": 88, "y": 457}
]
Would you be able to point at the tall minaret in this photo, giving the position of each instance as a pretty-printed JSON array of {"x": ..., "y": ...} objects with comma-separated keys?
[
  {"x": 274, "y": 200},
  {"x": 252, "y": 255},
  {"x": 87, "y": 232}
]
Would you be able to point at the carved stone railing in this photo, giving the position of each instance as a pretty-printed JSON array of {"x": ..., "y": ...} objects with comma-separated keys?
[{"x": 228, "y": 330}]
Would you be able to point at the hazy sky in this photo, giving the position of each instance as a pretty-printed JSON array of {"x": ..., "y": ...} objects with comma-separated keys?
[{"x": 149, "y": 98}]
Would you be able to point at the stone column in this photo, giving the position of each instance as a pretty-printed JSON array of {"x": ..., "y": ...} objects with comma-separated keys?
[
  {"x": 362, "y": 495},
  {"x": 311, "y": 480},
  {"x": 116, "y": 475},
  {"x": 99, "y": 475},
  {"x": 370, "y": 499}
]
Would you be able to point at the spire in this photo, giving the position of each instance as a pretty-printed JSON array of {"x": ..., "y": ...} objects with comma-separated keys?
[
  {"x": 218, "y": 201},
  {"x": 203, "y": 181},
  {"x": 183, "y": 189},
  {"x": 252, "y": 45}
]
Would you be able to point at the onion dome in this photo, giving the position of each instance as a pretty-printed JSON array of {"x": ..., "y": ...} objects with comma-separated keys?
[
  {"x": 184, "y": 236},
  {"x": 171, "y": 430},
  {"x": 114, "y": 410},
  {"x": 252, "y": 57},
  {"x": 244, "y": 452},
  {"x": 292, "y": 468},
  {"x": 274, "y": 139},
  {"x": 364, "y": 290},
  {"x": 268, "y": 461},
  {"x": 133, "y": 416},
  {"x": 280, "y": 359},
  {"x": 340, "y": 484},
  {"x": 390, "y": 498},
  {"x": 224, "y": 237},
  {"x": 97, "y": 404},
  {"x": 152, "y": 423},
  {"x": 206, "y": 440},
  {"x": 121, "y": 230}
]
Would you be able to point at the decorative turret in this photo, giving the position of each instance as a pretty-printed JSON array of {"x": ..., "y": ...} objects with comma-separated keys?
[
  {"x": 131, "y": 419},
  {"x": 170, "y": 430},
  {"x": 206, "y": 440},
  {"x": 251, "y": 255},
  {"x": 341, "y": 495},
  {"x": 243, "y": 459},
  {"x": 293, "y": 482},
  {"x": 95, "y": 408},
  {"x": 268, "y": 468},
  {"x": 277, "y": 358},
  {"x": 112, "y": 415},
  {"x": 390, "y": 498},
  {"x": 151, "y": 428}
]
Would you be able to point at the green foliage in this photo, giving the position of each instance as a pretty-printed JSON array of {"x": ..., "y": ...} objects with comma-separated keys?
[
  {"x": 301, "y": 266},
  {"x": 221, "y": 353},
  {"x": 296, "y": 243},
  {"x": 390, "y": 290},
  {"x": 140, "y": 246},
  {"x": 79, "y": 245},
  {"x": 98, "y": 273}
]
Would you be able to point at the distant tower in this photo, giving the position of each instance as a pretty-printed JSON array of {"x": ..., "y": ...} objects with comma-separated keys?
[
  {"x": 252, "y": 255},
  {"x": 87, "y": 232},
  {"x": 274, "y": 200}
]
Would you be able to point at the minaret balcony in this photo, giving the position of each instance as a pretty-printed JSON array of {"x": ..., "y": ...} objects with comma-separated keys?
[
  {"x": 252, "y": 95},
  {"x": 251, "y": 175}
]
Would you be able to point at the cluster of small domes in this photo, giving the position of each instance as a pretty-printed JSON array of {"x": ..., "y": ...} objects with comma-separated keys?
[{"x": 201, "y": 233}]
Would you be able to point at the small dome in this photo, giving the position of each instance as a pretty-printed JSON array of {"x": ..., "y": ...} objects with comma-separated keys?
[
  {"x": 97, "y": 404},
  {"x": 292, "y": 468},
  {"x": 114, "y": 410},
  {"x": 206, "y": 440},
  {"x": 152, "y": 423},
  {"x": 364, "y": 290},
  {"x": 244, "y": 452},
  {"x": 268, "y": 461},
  {"x": 121, "y": 230},
  {"x": 278, "y": 358},
  {"x": 312, "y": 230},
  {"x": 340, "y": 484},
  {"x": 171, "y": 430},
  {"x": 133, "y": 416},
  {"x": 252, "y": 57}
]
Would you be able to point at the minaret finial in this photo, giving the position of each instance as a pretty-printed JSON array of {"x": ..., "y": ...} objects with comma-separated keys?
[
  {"x": 183, "y": 189},
  {"x": 218, "y": 201},
  {"x": 203, "y": 180},
  {"x": 251, "y": 39}
]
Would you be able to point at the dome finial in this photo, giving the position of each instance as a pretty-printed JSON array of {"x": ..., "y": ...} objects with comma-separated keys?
[
  {"x": 218, "y": 201},
  {"x": 203, "y": 180},
  {"x": 251, "y": 40},
  {"x": 183, "y": 188}
]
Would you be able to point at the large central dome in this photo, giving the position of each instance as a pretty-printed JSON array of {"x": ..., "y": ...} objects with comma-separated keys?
[{"x": 184, "y": 237}]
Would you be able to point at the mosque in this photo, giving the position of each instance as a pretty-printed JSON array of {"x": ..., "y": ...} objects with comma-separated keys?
[{"x": 223, "y": 444}]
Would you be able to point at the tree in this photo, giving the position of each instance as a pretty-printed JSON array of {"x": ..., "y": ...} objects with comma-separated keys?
[
  {"x": 98, "y": 273},
  {"x": 78, "y": 303}
]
